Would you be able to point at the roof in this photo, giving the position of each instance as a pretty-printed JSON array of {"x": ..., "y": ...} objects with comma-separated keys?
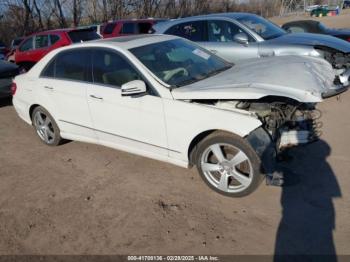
[
  {"x": 161, "y": 27},
  {"x": 60, "y": 30},
  {"x": 135, "y": 20},
  {"x": 128, "y": 42}
]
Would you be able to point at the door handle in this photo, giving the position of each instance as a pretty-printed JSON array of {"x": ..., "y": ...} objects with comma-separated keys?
[
  {"x": 96, "y": 97},
  {"x": 213, "y": 51},
  {"x": 48, "y": 87}
]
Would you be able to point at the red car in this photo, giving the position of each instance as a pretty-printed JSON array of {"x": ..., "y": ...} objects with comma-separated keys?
[
  {"x": 37, "y": 45},
  {"x": 129, "y": 27}
]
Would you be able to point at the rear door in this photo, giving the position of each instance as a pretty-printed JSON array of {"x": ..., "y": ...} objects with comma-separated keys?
[
  {"x": 194, "y": 31},
  {"x": 41, "y": 47},
  {"x": 64, "y": 83},
  {"x": 24, "y": 50}
]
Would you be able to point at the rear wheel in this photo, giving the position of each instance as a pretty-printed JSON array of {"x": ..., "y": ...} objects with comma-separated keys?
[
  {"x": 228, "y": 164},
  {"x": 46, "y": 127}
]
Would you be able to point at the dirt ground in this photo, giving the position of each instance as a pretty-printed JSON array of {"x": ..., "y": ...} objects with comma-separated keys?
[{"x": 87, "y": 199}]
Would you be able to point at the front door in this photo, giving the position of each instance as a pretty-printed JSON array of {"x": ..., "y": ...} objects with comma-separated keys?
[
  {"x": 221, "y": 41},
  {"x": 132, "y": 123}
]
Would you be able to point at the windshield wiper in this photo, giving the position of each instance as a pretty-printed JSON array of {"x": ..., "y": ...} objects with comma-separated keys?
[
  {"x": 217, "y": 71},
  {"x": 188, "y": 82}
]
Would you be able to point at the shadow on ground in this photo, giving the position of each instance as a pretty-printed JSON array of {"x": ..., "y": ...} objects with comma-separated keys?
[
  {"x": 6, "y": 101},
  {"x": 305, "y": 232}
]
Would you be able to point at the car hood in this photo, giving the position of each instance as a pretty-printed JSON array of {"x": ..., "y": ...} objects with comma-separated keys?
[
  {"x": 312, "y": 40},
  {"x": 8, "y": 69},
  {"x": 304, "y": 79}
]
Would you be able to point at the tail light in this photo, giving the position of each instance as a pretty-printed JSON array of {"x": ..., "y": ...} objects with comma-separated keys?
[
  {"x": 348, "y": 39},
  {"x": 13, "y": 88}
]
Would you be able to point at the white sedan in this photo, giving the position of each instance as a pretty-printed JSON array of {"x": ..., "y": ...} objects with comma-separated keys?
[{"x": 166, "y": 98}]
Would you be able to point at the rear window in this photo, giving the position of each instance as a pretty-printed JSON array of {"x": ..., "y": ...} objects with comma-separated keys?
[
  {"x": 128, "y": 28},
  {"x": 70, "y": 65},
  {"x": 41, "y": 41},
  {"x": 194, "y": 31},
  {"x": 17, "y": 41},
  {"x": 109, "y": 28},
  {"x": 83, "y": 36},
  {"x": 144, "y": 28},
  {"x": 54, "y": 39},
  {"x": 27, "y": 45}
]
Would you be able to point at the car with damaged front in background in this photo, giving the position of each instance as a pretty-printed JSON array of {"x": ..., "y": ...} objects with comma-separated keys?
[
  {"x": 166, "y": 98},
  {"x": 240, "y": 36}
]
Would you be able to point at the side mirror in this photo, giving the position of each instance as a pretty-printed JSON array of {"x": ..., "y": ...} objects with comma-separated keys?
[
  {"x": 134, "y": 87},
  {"x": 241, "y": 38}
]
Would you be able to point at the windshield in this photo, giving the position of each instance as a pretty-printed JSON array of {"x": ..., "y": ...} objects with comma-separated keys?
[
  {"x": 179, "y": 62},
  {"x": 262, "y": 27}
]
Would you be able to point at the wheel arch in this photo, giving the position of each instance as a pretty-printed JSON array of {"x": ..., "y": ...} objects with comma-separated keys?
[
  {"x": 31, "y": 109},
  {"x": 191, "y": 152}
]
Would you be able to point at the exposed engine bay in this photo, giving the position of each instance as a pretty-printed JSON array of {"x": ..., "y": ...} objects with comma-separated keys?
[
  {"x": 336, "y": 58},
  {"x": 339, "y": 61},
  {"x": 288, "y": 122}
]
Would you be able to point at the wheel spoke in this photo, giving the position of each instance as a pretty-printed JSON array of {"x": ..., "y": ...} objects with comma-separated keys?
[
  {"x": 40, "y": 119},
  {"x": 47, "y": 121},
  {"x": 46, "y": 136},
  {"x": 50, "y": 133},
  {"x": 216, "y": 149},
  {"x": 244, "y": 180},
  {"x": 238, "y": 158},
  {"x": 210, "y": 167},
  {"x": 223, "y": 184}
]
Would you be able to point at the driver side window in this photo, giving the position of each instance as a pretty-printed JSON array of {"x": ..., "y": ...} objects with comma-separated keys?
[
  {"x": 111, "y": 69},
  {"x": 224, "y": 31},
  {"x": 296, "y": 29}
]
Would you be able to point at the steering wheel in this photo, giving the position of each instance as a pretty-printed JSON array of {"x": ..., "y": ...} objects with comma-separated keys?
[{"x": 171, "y": 73}]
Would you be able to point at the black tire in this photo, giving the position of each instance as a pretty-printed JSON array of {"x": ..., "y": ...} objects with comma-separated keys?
[
  {"x": 56, "y": 137},
  {"x": 220, "y": 137}
]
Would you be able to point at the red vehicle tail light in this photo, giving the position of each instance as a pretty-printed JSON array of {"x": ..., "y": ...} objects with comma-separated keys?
[
  {"x": 348, "y": 39},
  {"x": 13, "y": 88}
]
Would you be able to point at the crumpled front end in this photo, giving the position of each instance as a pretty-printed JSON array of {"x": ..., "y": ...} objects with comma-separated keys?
[{"x": 333, "y": 82}]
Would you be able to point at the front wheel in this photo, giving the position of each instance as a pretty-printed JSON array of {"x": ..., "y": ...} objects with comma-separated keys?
[
  {"x": 46, "y": 127},
  {"x": 228, "y": 164}
]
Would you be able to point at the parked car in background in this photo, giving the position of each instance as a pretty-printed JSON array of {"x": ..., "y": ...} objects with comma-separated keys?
[
  {"x": 346, "y": 4},
  {"x": 320, "y": 11},
  {"x": 10, "y": 57},
  {"x": 3, "y": 51},
  {"x": 311, "y": 8},
  {"x": 316, "y": 27},
  {"x": 239, "y": 36},
  {"x": 166, "y": 98},
  {"x": 129, "y": 27},
  {"x": 7, "y": 72},
  {"x": 36, "y": 46}
]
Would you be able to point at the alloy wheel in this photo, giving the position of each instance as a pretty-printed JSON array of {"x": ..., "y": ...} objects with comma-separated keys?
[
  {"x": 227, "y": 168},
  {"x": 44, "y": 127}
]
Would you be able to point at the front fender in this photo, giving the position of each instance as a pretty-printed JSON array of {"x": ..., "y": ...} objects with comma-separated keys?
[{"x": 186, "y": 120}]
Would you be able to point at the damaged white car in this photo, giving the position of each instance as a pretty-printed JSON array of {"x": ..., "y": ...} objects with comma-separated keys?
[{"x": 166, "y": 98}]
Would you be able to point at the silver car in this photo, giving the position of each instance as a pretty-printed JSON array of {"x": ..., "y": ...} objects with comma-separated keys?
[{"x": 240, "y": 36}]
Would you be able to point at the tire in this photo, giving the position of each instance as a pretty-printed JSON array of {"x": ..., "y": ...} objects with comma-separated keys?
[
  {"x": 46, "y": 127},
  {"x": 237, "y": 173}
]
